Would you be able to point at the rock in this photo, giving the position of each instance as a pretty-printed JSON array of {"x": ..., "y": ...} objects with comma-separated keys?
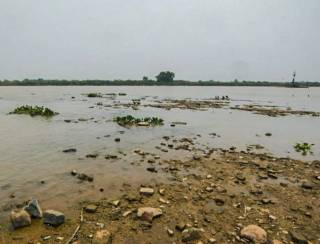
[
  {"x": 53, "y": 217},
  {"x": 307, "y": 185},
  {"x": 170, "y": 232},
  {"x": 298, "y": 238},
  {"x": 102, "y": 237},
  {"x": 93, "y": 155},
  {"x": 190, "y": 235},
  {"x": 148, "y": 213},
  {"x": 69, "y": 150},
  {"x": 276, "y": 242},
  {"x": 34, "y": 209},
  {"x": 115, "y": 203},
  {"x": 91, "y": 208},
  {"x": 254, "y": 233},
  {"x": 20, "y": 218},
  {"x": 127, "y": 213},
  {"x": 85, "y": 177},
  {"x": 181, "y": 226},
  {"x": 152, "y": 169},
  {"x": 146, "y": 191},
  {"x": 143, "y": 123},
  {"x": 74, "y": 172},
  {"x": 117, "y": 139},
  {"x": 268, "y": 134},
  {"x": 196, "y": 157},
  {"x": 209, "y": 189}
]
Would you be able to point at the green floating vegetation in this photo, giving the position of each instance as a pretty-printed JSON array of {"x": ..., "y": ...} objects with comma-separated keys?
[
  {"x": 94, "y": 94},
  {"x": 129, "y": 120},
  {"x": 34, "y": 111},
  {"x": 304, "y": 148}
]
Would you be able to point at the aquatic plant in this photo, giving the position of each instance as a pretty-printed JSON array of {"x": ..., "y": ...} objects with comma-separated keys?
[
  {"x": 34, "y": 111},
  {"x": 94, "y": 94},
  {"x": 129, "y": 120},
  {"x": 304, "y": 148}
]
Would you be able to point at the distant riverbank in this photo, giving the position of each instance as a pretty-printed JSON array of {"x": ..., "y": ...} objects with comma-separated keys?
[{"x": 42, "y": 82}]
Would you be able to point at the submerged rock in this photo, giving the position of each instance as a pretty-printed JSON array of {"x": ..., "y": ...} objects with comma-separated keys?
[
  {"x": 69, "y": 150},
  {"x": 34, "y": 209},
  {"x": 54, "y": 218},
  {"x": 254, "y": 233},
  {"x": 84, "y": 177},
  {"x": 20, "y": 218}
]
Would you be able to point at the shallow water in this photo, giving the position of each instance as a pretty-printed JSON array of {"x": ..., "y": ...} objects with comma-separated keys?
[{"x": 31, "y": 148}]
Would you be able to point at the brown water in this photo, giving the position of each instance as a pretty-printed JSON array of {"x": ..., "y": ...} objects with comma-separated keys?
[{"x": 31, "y": 148}]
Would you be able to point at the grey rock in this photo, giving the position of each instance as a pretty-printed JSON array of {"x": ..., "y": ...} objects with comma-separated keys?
[
  {"x": 34, "y": 209},
  {"x": 53, "y": 218}
]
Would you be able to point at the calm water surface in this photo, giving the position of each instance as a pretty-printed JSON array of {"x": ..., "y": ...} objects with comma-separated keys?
[{"x": 31, "y": 148}]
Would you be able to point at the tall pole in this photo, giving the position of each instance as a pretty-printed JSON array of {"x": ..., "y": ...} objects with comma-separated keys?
[{"x": 294, "y": 77}]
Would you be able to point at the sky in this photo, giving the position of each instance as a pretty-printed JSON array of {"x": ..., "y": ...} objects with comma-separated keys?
[{"x": 129, "y": 39}]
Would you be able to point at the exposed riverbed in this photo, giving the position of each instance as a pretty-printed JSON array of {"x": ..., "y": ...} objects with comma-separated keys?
[{"x": 32, "y": 162}]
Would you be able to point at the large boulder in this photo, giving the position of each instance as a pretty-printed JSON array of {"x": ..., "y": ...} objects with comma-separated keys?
[
  {"x": 34, "y": 209},
  {"x": 53, "y": 218},
  {"x": 20, "y": 218},
  {"x": 254, "y": 233}
]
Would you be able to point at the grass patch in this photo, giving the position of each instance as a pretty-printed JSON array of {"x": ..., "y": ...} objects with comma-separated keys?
[
  {"x": 129, "y": 120},
  {"x": 34, "y": 111}
]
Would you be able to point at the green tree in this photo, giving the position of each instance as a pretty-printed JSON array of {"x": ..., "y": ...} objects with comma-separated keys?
[
  {"x": 145, "y": 78},
  {"x": 165, "y": 76}
]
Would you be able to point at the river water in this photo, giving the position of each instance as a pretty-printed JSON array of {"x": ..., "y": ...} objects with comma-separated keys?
[{"x": 31, "y": 148}]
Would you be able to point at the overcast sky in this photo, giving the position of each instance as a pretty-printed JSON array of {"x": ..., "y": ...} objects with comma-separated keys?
[{"x": 126, "y": 39}]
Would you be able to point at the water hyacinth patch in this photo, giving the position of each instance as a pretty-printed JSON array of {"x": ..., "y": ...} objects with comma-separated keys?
[
  {"x": 129, "y": 120},
  {"x": 93, "y": 94},
  {"x": 34, "y": 111},
  {"x": 304, "y": 148}
]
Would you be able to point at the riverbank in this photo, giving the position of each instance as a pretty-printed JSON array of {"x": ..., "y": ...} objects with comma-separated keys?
[{"x": 209, "y": 196}]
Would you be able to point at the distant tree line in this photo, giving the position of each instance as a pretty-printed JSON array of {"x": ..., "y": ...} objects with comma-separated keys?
[{"x": 165, "y": 78}]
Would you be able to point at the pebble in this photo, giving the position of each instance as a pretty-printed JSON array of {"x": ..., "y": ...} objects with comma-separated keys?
[
  {"x": 148, "y": 213},
  {"x": 190, "y": 235},
  {"x": 91, "y": 208},
  {"x": 254, "y": 233},
  {"x": 146, "y": 191},
  {"x": 170, "y": 232}
]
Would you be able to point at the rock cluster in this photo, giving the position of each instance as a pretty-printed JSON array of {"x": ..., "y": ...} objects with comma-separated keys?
[{"x": 22, "y": 217}]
